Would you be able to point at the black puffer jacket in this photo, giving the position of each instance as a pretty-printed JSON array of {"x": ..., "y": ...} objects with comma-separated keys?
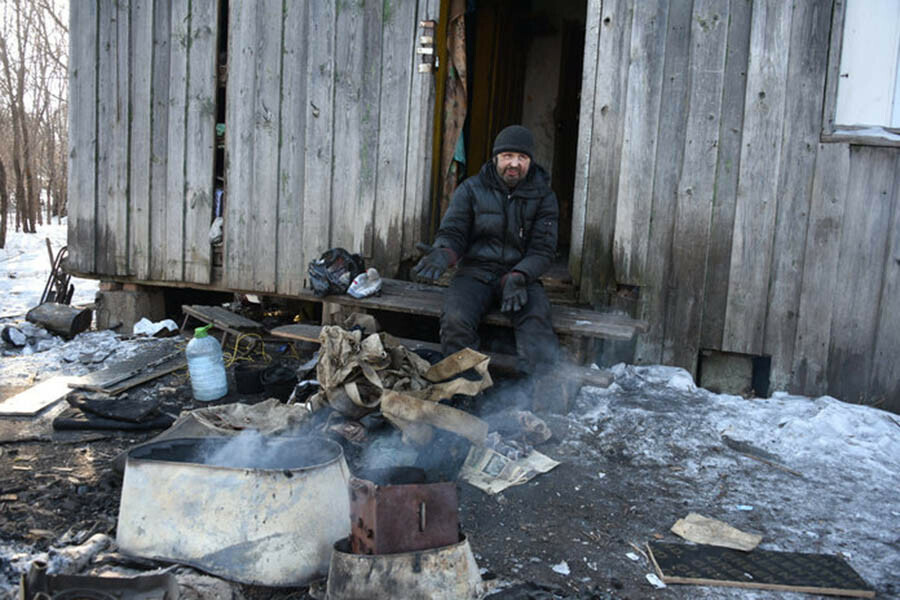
[{"x": 494, "y": 231}]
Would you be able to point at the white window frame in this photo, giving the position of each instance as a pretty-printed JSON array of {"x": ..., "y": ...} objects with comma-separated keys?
[{"x": 886, "y": 133}]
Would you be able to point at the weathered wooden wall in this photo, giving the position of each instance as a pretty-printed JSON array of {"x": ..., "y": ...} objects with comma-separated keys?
[
  {"x": 704, "y": 183},
  {"x": 328, "y": 137},
  {"x": 141, "y": 122}
]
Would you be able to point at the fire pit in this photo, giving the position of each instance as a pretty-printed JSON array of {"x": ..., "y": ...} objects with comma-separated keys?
[{"x": 264, "y": 511}]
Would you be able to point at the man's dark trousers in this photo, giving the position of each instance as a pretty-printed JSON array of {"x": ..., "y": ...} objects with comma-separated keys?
[{"x": 466, "y": 302}]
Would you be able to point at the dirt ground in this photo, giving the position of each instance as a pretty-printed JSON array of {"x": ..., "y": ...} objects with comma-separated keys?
[
  {"x": 576, "y": 532},
  {"x": 52, "y": 491}
]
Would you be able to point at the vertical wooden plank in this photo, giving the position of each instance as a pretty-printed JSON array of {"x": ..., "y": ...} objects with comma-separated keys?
[
  {"x": 832, "y": 76},
  {"x": 140, "y": 164},
  {"x": 292, "y": 263},
  {"x": 239, "y": 137},
  {"x": 106, "y": 115},
  {"x": 597, "y": 273},
  {"x": 820, "y": 269},
  {"x": 731, "y": 126},
  {"x": 641, "y": 127},
  {"x": 696, "y": 184},
  {"x": 757, "y": 200},
  {"x": 419, "y": 147},
  {"x": 866, "y": 223},
  {"x": 669, "y": 156},
  {"x": 82, "y": 169},
  {"x": 173, "y": 248},
  {"x": 254, "y": 111},
  {"x": 118, "y": 209},
  {"x": 582, "y": 186},
  {"x": 200, "y": 126},
  {"x": 357, "y": 74},
  {"x": 159, "y": 142},
  {"x": 885, "y": 382},
  {"x": 802, "y": 125},
  {"x": 319, "y": 130},
  {"x": 398, "y": 67}
]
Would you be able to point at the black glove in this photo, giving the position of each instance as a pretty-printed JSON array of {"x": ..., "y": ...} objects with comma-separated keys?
[
  {"x": 432, "y": 265},
  {"x": 515, "y": 293}
]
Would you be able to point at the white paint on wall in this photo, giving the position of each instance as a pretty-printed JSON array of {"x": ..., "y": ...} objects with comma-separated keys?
[{"x": 867, "y": 87}]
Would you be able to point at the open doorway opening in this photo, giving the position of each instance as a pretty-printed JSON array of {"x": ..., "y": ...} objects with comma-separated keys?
[{"x": 523, "y": 64}]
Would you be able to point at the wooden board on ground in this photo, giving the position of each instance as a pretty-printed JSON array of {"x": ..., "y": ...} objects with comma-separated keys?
[
  {"x": 421, "y": 299},
  {"x": 221, "y": 318},
  {"x": 759, "y": 569},
  {"x": 37, "y": 398},
  {"x": 504, "y": 364},
  {"x": 143, "y": 367}
]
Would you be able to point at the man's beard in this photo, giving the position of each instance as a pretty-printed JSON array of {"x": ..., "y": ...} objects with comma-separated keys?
[{"x": 511, "y": 180}]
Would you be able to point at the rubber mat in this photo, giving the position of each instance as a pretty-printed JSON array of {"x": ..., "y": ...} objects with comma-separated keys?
[{"x": 763, "y": 569}]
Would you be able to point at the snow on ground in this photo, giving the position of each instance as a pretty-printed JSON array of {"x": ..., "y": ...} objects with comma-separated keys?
[
  {"x": 836, "y": 490},
  {"x": 25, "y": 267}
]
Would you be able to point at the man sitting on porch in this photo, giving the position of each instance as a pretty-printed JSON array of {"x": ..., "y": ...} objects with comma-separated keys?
[{"x": 501, "y": 228}]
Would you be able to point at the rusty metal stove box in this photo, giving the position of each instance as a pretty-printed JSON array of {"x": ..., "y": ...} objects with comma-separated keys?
[{"x": 389, "y": 518}]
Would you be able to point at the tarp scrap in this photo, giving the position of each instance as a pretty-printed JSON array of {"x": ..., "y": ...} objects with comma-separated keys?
[
  {"x": 355, "y": 371},
  {"x": 704, "y": 530}
]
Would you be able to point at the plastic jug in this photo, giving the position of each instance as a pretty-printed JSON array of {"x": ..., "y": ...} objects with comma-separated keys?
[{"x": 206, "y": 366}]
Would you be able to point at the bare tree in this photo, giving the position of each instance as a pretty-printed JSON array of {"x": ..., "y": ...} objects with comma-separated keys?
[
  {"x": 4, "y": 201},
  {"x": 33, "y": 81}
]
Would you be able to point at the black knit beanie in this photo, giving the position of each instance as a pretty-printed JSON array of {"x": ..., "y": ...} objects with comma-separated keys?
[{"x": 514, "y": 138}]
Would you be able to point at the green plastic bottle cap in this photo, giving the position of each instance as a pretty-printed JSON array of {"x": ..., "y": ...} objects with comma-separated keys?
[{"x": 202, "y": 332}]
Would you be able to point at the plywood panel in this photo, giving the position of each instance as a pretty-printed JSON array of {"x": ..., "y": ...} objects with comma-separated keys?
[
  {"x": 139, "y": 164},
  {"x": 718, "y": 263},
  {"x": 802, "y": 124},
  {"x": 884, "y": 387},
  {"x": 757, "y": 200},
  {"x": 397, "y": 72},
  {"x": 609, "y": 113},
  {"x": 319, "y": 134},
  {"x": 696, "y": 184},
  {"x": 820, "y": 269},
  {"x": 669, "y": 155},
  {"x": 82, "y": 167},
  {"x": 356, "y": 117},
  {"x": 864, "y": 238},
  {"x": 417, "y": 195},
  {"x": 173, "y": 246},
  {"x": 583, "y": 180},
  {"x": 292, "y": 160},
  {"x": 253, "y": 114},
  {"x": 639, "y": 138},
  {"x": 159, "y": 139},
  {"x": 200, "y": 151}
]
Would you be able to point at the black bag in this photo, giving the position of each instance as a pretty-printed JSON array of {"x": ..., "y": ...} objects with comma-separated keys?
[{"x": 333, "y": 272}]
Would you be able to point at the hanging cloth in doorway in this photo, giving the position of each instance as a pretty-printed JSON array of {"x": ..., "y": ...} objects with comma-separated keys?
[{"x": 455, "y": 104}]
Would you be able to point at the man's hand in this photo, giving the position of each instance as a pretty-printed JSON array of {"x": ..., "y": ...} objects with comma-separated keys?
[
  {"x": 432, "y": 265},
  {"x": 515, "y": 293}
]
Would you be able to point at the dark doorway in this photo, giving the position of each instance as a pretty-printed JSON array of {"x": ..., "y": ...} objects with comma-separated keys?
[{"x": 525, "y": 66}]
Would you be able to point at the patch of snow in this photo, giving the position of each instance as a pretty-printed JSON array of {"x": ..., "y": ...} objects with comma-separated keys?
[
  {"x": 562, "y": 568},
  {"x": 25, "y": 268}
]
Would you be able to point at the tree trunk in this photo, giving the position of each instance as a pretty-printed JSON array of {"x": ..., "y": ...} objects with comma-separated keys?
[{"x": 4, "y": 204}]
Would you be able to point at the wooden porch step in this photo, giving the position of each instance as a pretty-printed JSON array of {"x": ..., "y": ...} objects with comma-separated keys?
[{"x": 422, "y": 299}]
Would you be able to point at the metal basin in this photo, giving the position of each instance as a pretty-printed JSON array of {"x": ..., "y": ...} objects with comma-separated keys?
[
  {"x": 266, "y": 515},
  {"x": 446, "y": 573}
]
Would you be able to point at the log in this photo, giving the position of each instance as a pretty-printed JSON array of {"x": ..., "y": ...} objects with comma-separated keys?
[{"x": 67, "y": 321}]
